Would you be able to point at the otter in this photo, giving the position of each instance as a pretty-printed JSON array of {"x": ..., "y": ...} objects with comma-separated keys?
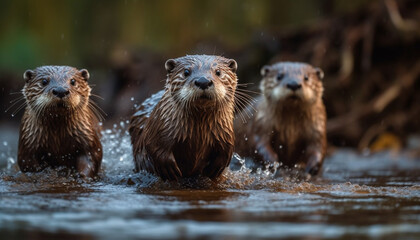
[
  {"x": 60, "y": 126},
  {"x": 289, "y": 126},
  {"x": 186, "y": 129}
]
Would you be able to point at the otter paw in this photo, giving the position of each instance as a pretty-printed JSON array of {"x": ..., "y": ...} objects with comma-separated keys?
[
  {"x": 313, "y": 168},
  {"x": 168, "y": 169},
  {"x": 215, "y": 169},
  {"x": 85, "y": 167}
]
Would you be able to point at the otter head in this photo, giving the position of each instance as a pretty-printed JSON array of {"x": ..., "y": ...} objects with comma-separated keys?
[
  {"x": 201, "y": 81},
  {"x": 56, "y": 88},
  {"x": 291, "y": 82}
]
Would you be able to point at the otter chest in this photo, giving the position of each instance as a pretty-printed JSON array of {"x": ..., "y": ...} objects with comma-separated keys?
[
  {"x": 192, "y": 156},
  {"x": 289, "y": 144}
]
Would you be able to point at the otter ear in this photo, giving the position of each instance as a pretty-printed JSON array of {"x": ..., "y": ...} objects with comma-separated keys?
[
  {"x": 85, "y": 74},
  {"x": 170, "y": 65},
  {"x": 232, "y": 65},
  {"x": 265, "y": 70},
  {"x": 319, "y": 73},
  {"x": 28, "y": 75}
]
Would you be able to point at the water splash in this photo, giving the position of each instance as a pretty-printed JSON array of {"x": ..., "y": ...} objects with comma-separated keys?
[{"x": 244, "y": 174}]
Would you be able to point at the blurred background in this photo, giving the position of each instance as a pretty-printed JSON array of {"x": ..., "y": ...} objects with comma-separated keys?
[{"x": 369, "y": 51}]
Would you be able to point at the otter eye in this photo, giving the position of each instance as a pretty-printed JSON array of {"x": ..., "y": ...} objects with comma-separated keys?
[
  {"x": 218, "y": 73},
  {"x": 45, "y": 82},
  {"x": 306, "y": 77},
  {"x": 187, "y": 73},
  {"x": 280, "y": 76},
  {"x": 73, "y": 82}
]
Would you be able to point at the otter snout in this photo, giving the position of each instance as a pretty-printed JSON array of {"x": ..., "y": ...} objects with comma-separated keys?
[
  {"x": 60, "y": 92},
  {"x": 203, "y": 83},
  {"x": 293, "y": 85}
]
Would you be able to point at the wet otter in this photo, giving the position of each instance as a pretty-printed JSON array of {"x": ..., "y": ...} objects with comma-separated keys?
[
  {"x": 289, "y": 126},
  {"x": 186, "y": 129},
  {"x": 60, "y": 126}
]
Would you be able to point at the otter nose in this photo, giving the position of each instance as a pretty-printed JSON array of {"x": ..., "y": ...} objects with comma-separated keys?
[
  {"x": 293, "y": 86},
  {"x": 203, "y": 83},
  {"x": 60, "y": 92}
]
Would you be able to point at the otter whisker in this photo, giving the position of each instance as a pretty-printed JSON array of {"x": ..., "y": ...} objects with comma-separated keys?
[
  {"x": 247, "y": 98},
  {"x": 97, "y": 106},
  {"x": 14, "y": 102},
  {"x": 246, "y": 102},
  {"x": 17, "y": 99},
  {"x": 14, "y": 93},
  {"x": 244, "y": 84},
  {"x": 100, "y": 114},
  {"x": 239, "y": 113},
  {"x": 245, "y": 94},
  {"x": 248, "y": 91},
  {"x": 18, "y": 109},
  {"x": 237, "y": 109},
  {"x": 96, "y": 113},
  {"x": 243, "y": 107},
  {"x": 97, "y": 96}
]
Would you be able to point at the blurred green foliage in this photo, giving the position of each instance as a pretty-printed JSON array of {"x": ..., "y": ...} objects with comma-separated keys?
[{"x": 78, "y": 32}]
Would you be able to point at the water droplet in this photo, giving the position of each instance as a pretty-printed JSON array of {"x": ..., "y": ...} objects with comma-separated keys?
[
  {"x": 5, "y": 143},
  {"x": 132, "y": 98},
  {"x": 281, "y": 146},
  {"x": 49, "y": 154}
]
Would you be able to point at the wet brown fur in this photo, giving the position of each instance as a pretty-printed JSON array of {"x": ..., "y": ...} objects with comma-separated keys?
[
  {"x": 57, "y": 132},
  {"x": 286, "y": 129},
  {"x": 175, "y": 135}
]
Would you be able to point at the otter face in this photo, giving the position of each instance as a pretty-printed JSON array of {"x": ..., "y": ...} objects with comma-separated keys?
[
  {"x": 201, "y": 80},
  {"x": 288, "y": 81},
  {"x": 56, "y": 88}
]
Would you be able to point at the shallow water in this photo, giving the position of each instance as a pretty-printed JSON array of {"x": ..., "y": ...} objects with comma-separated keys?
[{"x": 356, "y": 197}]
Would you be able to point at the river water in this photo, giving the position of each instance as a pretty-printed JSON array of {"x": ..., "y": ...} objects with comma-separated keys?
[{"x": 356, "y": 197}]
